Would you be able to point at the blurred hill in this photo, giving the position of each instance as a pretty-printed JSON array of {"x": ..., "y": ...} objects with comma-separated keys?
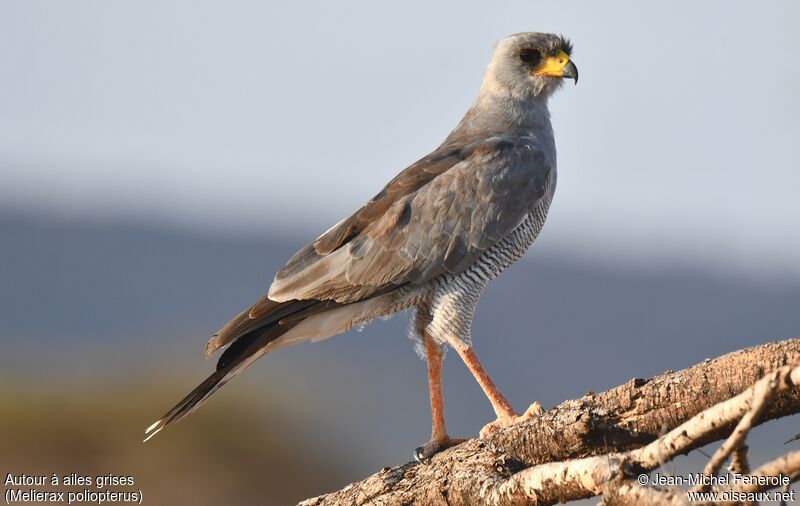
[{"x": 103, "y": 327}]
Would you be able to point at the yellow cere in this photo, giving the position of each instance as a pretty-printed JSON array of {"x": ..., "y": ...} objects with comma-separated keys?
[{"x": 552, "y": 65}]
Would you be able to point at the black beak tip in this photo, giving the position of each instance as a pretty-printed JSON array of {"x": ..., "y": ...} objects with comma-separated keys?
[{"x": 571, "y": 71}]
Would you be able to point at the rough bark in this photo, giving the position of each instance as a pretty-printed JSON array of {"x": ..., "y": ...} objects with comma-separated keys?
[{"x": 549, "y": 458}]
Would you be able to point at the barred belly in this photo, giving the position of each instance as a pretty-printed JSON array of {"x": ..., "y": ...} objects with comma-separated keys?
[{"x": 449, "y": 305}]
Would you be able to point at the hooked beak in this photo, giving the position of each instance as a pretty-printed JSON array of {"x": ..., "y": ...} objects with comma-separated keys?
[
  {"x": 558, "y": 65},
  {"x": 570, "y": 71}
]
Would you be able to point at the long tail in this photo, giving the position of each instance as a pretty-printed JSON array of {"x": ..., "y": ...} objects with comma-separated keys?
[{"x": 249, "y": 334}]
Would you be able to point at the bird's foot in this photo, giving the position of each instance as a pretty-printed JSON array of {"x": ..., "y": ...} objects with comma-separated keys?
[
  {"x": 503, "y": 422},
  {"x": 424, "y": 453}
]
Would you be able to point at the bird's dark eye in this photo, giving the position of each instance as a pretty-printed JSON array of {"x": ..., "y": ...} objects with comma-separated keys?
[{"x": 529, "y": 55}]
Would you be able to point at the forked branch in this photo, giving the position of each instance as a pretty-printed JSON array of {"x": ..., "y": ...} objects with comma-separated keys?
[{"x": 600, "y": 443}]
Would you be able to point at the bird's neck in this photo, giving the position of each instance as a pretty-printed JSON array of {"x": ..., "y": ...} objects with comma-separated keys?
[
  {"x": 502, "y": 114},
  {"x": 530, "y": 113}
]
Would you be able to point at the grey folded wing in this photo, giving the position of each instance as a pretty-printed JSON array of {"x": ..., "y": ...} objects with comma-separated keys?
[{"x": 435, "y": 217}]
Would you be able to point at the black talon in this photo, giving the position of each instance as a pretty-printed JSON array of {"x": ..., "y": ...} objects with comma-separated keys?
[
  {"x": 419, "y": 455},
  {"x": 423, "y": 454}
]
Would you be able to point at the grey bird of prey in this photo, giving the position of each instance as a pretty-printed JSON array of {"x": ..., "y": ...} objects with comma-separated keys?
[{"x": 429, "y": 241}]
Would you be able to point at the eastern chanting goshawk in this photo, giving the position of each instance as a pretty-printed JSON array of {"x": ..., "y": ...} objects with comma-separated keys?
[{"x": 429, "y": 241}]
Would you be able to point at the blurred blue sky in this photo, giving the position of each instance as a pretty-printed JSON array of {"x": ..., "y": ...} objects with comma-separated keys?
[{"x": 249, "y": 117}]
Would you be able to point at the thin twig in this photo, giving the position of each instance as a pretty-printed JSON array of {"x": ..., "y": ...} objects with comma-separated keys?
[
  {"x": 740, "y": 464},
  {"x": 760, "y": 394}
]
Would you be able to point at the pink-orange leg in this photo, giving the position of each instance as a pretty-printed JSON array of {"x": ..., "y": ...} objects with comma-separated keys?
[
  {"x": 438, "y": 429},
  {"x": 506, "y": 416},
  {"x": 439, "y": 438}
]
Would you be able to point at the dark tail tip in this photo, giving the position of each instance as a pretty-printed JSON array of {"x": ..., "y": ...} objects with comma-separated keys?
[{"x": 188, "y": 404}]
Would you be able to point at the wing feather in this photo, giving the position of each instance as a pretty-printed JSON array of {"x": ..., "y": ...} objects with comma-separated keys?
[{"x": 435, "y": 217}]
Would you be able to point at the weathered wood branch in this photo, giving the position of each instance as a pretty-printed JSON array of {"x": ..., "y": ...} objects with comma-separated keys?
[
  {"x": 589, "y": 446},
  {"x": 761, "y": 394}
]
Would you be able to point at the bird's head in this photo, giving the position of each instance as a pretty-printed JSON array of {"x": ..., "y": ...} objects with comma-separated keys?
[{"x": 529, "y": 64}]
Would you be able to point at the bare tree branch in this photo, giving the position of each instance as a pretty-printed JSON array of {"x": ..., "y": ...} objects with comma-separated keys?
[
  {"x": 626, "y": 493},
  {"x": 593, "y": 445},
  {"x": 739, "y": 461},
  {"x": 579, "y": 478},
  {"x": 787, "y": 465},
  {"x": 760, "y": 395}
]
